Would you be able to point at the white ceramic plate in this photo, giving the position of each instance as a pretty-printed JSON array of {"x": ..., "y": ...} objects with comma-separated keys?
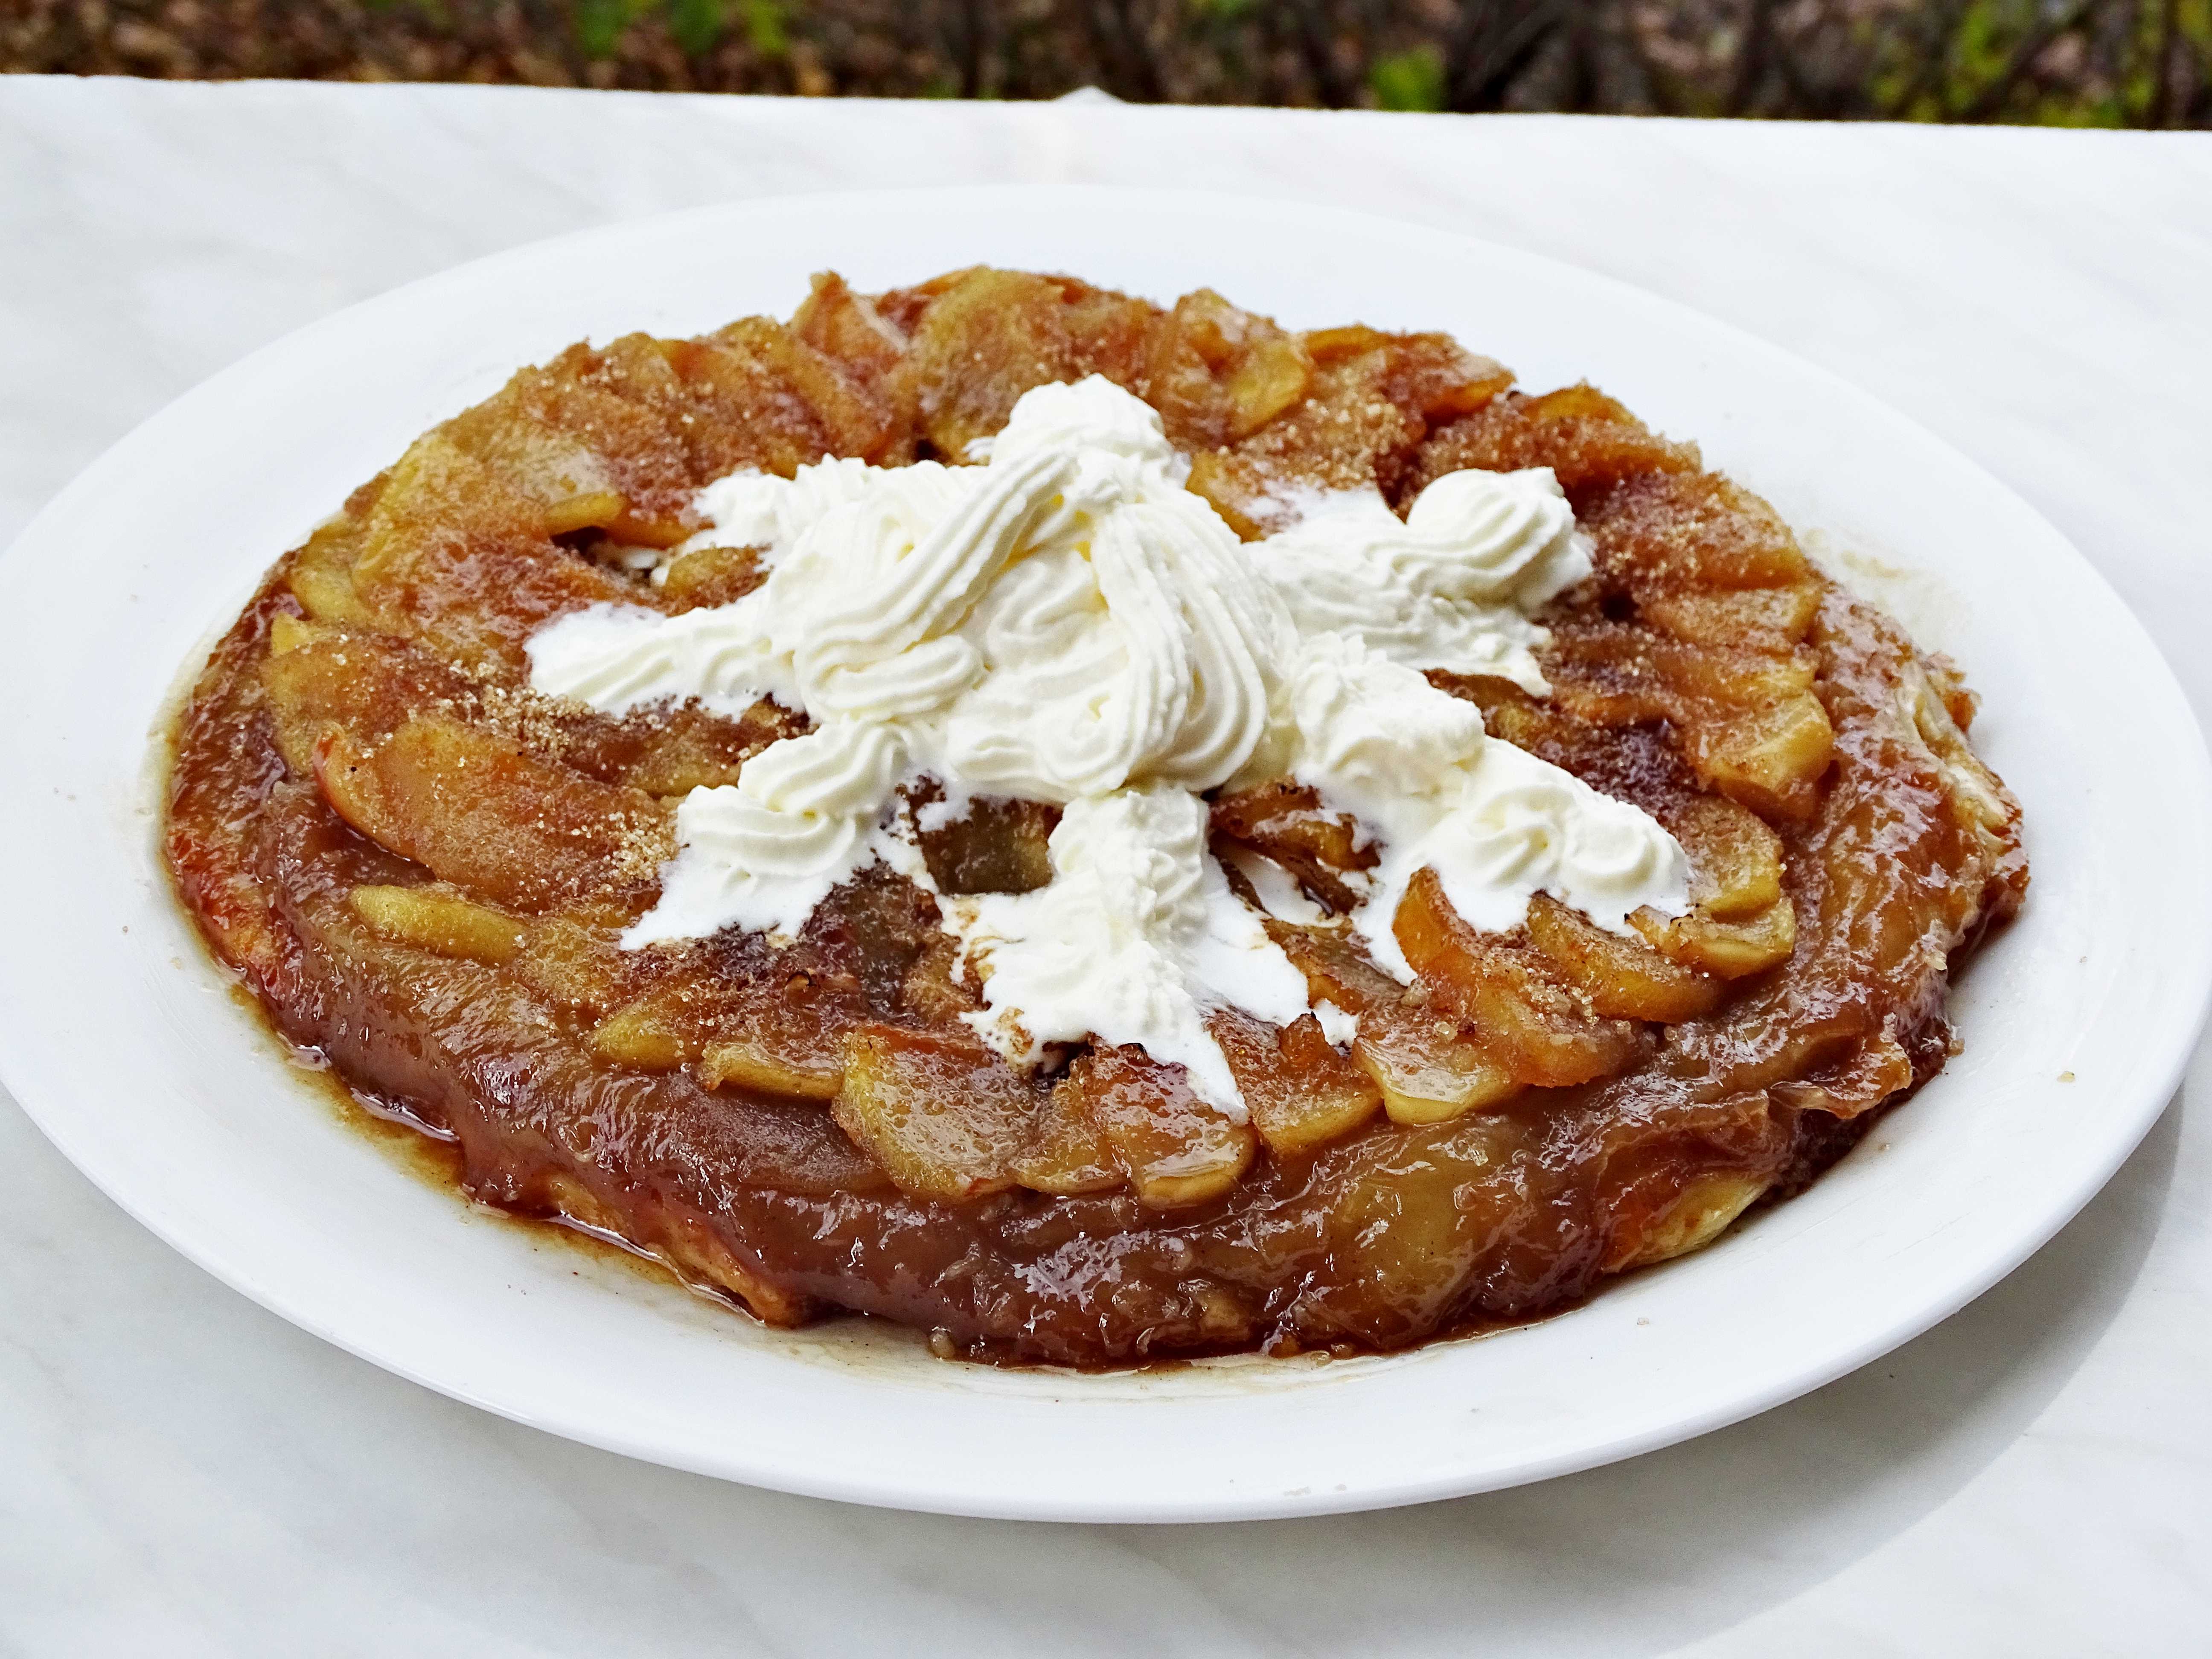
[{"x": 122, "y": 1041}]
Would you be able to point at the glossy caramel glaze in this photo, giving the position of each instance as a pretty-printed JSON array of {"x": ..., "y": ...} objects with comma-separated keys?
[{"x": 420, "y": 867}]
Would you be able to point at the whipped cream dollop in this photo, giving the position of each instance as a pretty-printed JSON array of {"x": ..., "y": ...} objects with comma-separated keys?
[
  {"x": 1449, "y": 586},
  {"x": 763, "y": 852},
  {"x": 1413, "y": 765},
  {"x": 1066, "y": 622},
  {"x": 1134, "y": 937}
]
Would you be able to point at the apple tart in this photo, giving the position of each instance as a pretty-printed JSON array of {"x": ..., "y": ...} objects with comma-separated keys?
[{"x": 1095, "y": 830}]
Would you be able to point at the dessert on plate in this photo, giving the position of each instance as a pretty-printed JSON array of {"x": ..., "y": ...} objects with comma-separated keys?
[{"x": 1095, "y": 830}]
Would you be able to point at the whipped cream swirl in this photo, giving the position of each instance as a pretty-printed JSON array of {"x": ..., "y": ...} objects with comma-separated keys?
[
  {"x": 1134, "y": 936},
  {"x": 1413, "y": 764},
  {"x": 1066, "y": 622},
  {"x": 1450, "y": 586}
]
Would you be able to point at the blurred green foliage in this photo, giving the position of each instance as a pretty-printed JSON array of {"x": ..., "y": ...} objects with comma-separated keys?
[
  {"x": 765, "y": 27},
  {"x": 1409, "y": 80},
  {"x": 697, "y": 25},
  {"x": 599, "y": 24}
]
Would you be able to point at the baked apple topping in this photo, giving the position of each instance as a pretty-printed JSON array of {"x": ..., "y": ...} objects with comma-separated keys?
[{"x": 1098, "y": 830}]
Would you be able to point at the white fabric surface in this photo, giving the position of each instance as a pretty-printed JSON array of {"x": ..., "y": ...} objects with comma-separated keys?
[{"x": 182, "y": 1472}]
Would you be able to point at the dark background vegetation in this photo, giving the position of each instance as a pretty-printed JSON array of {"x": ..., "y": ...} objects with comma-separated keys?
[{"x": 2101, "y": 62}]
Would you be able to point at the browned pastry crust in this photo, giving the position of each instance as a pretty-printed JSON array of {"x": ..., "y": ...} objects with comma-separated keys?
[{"x": 420, "y": 866}]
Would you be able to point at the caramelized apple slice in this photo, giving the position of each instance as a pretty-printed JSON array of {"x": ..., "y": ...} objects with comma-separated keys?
[
  {"x": 947, "y": 1120},
  {"x": 1178, "y": 1151},
  {"x": 1426, "y": 1068},
  {"x": 317, "y": 675},
  {"x": 710, "y": 576},
  {"x": 576, "y": 963},
  {"x": 1691, "y": 529},
  {"x": 771, "y": 1067},
  {"x": 1301, "y": 1092},
  {"x": 1736, "y": 860},
  {"x": 853, "y": 419},
  {"x": 1725, "y": 949},
  {"x": 595, "y": 438},
  {"x": 1874, "y": 1068},
  {"x": 1272, "y": 376},
  {"x": 1196, "y": 350},
  {"x": 462, "y": 556},
  {"x": 321, "y": 576},
  {"x": 1229, "y": 488},
  {"x": 436, "y": 496},
  {"x": 1736, "y": 676},
  {"x": 1331, "y": 346},
  {"x": 1434, "y": 376},
  {"x": 1415, "y": 1208},
  {"x": 1749, "y": 723},
  {"x": 935, "y": 987},
  {"x": 653, "y": 1034},
  {"x": 748, "y": 416},
  {"x": 449, "y": 926},
  {"x": 288, "y": 633},
  {"x": 989, "y": 336},
  {"x": 1534, "y": 1026},
  {"x": 999, "y": 847},
  {"x": 781, "y": 1032},
  {"x": 1770, "y": 758},
  {"x": 1616, "y": 672},
  {"x": 671, "y": 752},
  {"x": 1772, "y": 616},
  {"x": 596, "y": 509},
  {"x": 1335, "y": 969},
  {"x": 478, "y": 813},
  {"x": 1068, "y": 1153},
  {"x": 842, "y": 325},
  {"x": 1622, "y": 978},
  {"x": 574, "y": 488},
  {"x": 1286, "y": 821},
  {"x": 1590, "y": 441},
  {"x": 1700, "y": 1213}
]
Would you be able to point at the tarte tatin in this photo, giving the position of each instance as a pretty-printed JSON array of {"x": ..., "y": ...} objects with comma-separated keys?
[{"x": 434, "y": 872}]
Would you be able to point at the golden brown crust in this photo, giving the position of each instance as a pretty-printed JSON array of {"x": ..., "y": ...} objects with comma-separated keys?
[{"x": 420, "y": 866}]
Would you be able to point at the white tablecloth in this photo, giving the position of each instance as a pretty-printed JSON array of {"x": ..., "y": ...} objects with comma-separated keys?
[{"x": 181, "y": 1472}]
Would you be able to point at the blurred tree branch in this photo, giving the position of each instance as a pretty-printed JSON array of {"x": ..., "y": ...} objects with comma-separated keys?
[
  {"x": 2104, "y": 62},
  {"x": 1987, "y": 102},
  {"x": 1491, "y": 46}
]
